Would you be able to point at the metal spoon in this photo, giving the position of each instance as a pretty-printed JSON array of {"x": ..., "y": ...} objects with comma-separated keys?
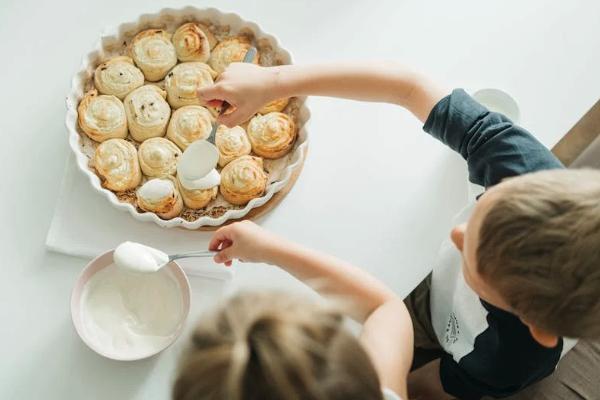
[{"x": 191, "y": 254}]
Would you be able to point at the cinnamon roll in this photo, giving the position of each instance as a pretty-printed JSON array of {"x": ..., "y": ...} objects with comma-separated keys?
[
  {"x": 160, "y": 196},
  {"x": 116, "y": 162},
  {"x": 102, "y": 117},
  {"x": 147, "y": 112},
  {"x": 183, "y": 82},
  {"x": 274, "y": 106},
  {"x": 230, "y": 50},
  {"x": 188, "y": 124},
  {"x": 153, "y": 53},
  {"x": 193, "y": 42},
  {"x": 118, "y": 76},
  {"x": 197, "y": 198},
  {"x": 231, "y": 143},
  {"x": 243, "y": 179},
  {"x": 272, "y": 135},
  {"x": 158, "y": 157}
]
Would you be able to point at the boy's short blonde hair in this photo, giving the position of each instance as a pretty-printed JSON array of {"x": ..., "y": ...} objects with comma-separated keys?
[
  {"x": 539, "y": 246},
  {"x": 275, "y": 346}
]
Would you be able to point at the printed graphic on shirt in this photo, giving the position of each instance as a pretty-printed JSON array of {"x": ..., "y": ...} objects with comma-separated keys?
[{"x": 452, "y": 330}]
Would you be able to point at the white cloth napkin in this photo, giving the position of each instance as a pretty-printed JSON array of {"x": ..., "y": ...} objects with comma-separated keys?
[{"x": 86, "y": 225}]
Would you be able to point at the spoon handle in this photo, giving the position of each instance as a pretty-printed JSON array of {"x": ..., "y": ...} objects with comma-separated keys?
[{"x": 202, "y": 253}]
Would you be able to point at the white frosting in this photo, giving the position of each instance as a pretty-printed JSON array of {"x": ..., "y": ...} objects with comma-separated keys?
[
  {"x": 155, "y": 190},
  {"x": 129, "y": 315},
  {"x": 212, "y": 179},
  {"x": 133, "y": 256}
]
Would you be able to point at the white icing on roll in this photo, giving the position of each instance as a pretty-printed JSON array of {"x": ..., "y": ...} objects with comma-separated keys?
[
  {"x": 156, "y": 189},
  {"x": 160, "y": 196},
  {"x": 209, "y": 181}
]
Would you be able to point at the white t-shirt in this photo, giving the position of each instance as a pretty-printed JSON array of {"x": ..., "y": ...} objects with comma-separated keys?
[{"x": 389, "y": 394}]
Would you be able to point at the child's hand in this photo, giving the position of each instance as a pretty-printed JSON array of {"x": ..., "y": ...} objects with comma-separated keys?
[
  {"x": 246, "y": 87},
  {"x": 245, "y": 241}
]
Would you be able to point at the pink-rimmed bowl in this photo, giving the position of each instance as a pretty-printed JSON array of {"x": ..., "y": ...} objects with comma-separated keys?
[{"x": 103, "y": 261}]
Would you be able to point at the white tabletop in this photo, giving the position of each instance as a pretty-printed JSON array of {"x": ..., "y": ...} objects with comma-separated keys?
[{"x": 385, "y": 207}]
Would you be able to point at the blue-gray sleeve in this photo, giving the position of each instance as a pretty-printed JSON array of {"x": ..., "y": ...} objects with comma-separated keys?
[{"x": 493, "y": 146}]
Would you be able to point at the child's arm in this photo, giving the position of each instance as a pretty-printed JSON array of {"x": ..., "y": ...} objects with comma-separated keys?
[
  {"x": 248, "y": 87},
  {"x": 328, "y": 275},
  {"x": 387, "y": 334}
]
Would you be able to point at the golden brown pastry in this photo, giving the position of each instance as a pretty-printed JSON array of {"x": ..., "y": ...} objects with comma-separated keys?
[
  {"x": 118, "y": 76},
  {"x": 158, "y": 157},
  {"x": 102, "y": 117},
  {"x": 116, "y": 162},
  {"x": 197, "y": 198},
  {"x": 193, "y": 42},
  {"x": 274, "y": 106},
  {"x": 188, "y": 124},
  {"x": 231, "y": 143},
  {"x": 153, "y": 53},
  {"x": 147, "y": 112},
  {"x": 272, "y": 135},
  {"x": 183, "y": 82},
  {"x": 160, "y": 196},
  {"x": 230, "y": 50},
  {"x": 243, "y": 179}
]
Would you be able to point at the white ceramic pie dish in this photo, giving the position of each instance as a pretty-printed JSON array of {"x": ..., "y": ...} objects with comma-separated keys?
[{"x": 114, "y": 37}]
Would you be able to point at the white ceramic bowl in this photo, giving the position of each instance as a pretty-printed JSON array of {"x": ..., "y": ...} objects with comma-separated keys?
[
  {"x": 499, "y": 101},
  {"x": 103, "y": 261},
  {"x": 114, "y": 37}
]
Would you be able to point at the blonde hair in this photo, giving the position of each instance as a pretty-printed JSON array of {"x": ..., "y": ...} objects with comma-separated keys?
[
  {"x": 275, "y": 346},
  {"x": 539, "y": 245}
]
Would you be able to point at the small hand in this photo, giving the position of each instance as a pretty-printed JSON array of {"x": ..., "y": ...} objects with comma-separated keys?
[
  {"x": 246, "y": 87},
  {"x": 245, "y": 241}
]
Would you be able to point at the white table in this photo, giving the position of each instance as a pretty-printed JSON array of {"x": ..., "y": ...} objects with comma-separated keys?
[{"x": 389, "y": 221}]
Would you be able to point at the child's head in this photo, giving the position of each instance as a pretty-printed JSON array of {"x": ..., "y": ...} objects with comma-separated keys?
[
  {"x": 532, "y": 247},
  {"x": 275, "y": 346}
]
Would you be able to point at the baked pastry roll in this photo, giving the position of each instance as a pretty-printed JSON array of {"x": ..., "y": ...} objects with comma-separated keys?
[
  {"x": 160, "y": 196},
  {"x": 197, "y": 198},
  {"x": 118, "y": 76},
  {"x": 188, "y": 124},
  {"x": 193, "y": 42},
  {"x": 153, "y": 53},
  {"x": 230, "y": 50},
  {"x": 231, "y": 143},
  {"x": 116, "y": 162},
  {"x": 147, "y": 112},
  {"x": 102, "y": 117},
  {"x": 274, "y": 106},
  {"x": 272, "y": 135},
  {"x": 158, "y": 157},
  {"x": 183, "y": 82},
  {"x": 243, "y": 179}
]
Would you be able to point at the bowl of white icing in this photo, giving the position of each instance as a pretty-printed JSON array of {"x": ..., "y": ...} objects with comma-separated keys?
[{"x": 127, "y": 315}]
